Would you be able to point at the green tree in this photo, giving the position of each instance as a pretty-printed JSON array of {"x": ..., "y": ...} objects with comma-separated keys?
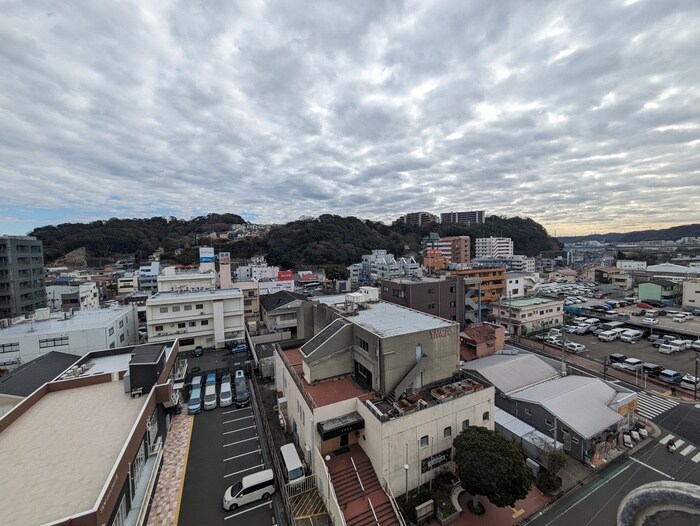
[
  {"x": 552, "y": 460},
  {"x": 336, "y": 272},
  {"x": 490, "y": 466}
]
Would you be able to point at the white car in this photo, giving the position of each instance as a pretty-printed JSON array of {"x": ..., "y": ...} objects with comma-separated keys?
[
  {"x": 650, "y": 321},
  {"x": 575, "y": 347},
  {"x": 696, "y": 345},
  {"x": 679, "y": 318}
]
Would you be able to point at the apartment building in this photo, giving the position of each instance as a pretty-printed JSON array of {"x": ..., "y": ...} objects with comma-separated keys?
[
  {"x": 519, "y": 284},
  {"x": 148, "y": 277},
  {"x": 87, "y": 448},
  {"x": 490, "y": 282},
  {"x": 493, "y": 247},
  {"x": 628, "y": 264},
  {"x": 251, "y": 299},
  {"x": 67, "y": 293},
  {"x": 74, "y": 333},
  {"x": 690, "y": 299},
  {"x": 468, "y": 218},
  {"x": 417, "y": 219},
  {"x": 380, "y": 265},
  {"x": 664, "y": 290},
  {"x": 516, "y": 263},
  {"x": 127, "y": 283},
  {"x": 21, "y": 276},
  {"x": 213, "y": 318},
  {"x": 176, "y": 279},
  {"x": 523, "y": 316},
  {"x": 383, "y": 381}
]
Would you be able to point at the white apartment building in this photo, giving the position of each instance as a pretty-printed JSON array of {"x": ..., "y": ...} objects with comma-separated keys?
[
  {"x": 691, "y": 294},
  {"x": 270, "y": 287},
  {"x": 524, "y": 316},
  {"x": 257, "y": 272},
  {"x": 628, "y": 264},
  {"x": 148, "y": 277},
  {"x": 76, "y": 296},
  {"x": 83, "y": 331},
  {"x": 519, "y": 284},
  {"x": 127, "y": 284},
  {"x": 213, "y": 318},
  {"x": 186, "y": 281},
  {"x": 382, "y": 265},
  {"x": 494, "y": 247}
]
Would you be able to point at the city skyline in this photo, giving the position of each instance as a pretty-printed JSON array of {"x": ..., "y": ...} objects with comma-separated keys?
[{"x": 585, "y": 120}]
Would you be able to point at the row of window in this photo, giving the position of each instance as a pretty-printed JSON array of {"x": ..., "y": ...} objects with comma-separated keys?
[
  {"x": 550, "y": 424},
  {"x": 183, "y": 325},
  {"x": 53, "y": 342},
  {"x": 447, "y": 431},
  {"x": 176, "y": 308},
  {"x": 9, "y": 347}
]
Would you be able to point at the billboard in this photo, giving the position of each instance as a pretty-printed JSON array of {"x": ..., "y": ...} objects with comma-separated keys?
[
  {"x": 206, "y": 254},
  {"x": 225, "y": 257},
  {"x": 285, "y": 275}
]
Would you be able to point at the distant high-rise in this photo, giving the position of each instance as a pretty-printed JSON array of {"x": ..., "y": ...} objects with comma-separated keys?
[
  {"x": 417, "y": 218},
  {"x": 493, "y": 247},
  {"x": 22, "y": 287},
  {"x": 476, "y": 216}
]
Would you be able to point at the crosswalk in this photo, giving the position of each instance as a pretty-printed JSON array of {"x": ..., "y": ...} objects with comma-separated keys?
[
  {"x": 684, "y": 451},
  {"x": 650, "y": 406}
]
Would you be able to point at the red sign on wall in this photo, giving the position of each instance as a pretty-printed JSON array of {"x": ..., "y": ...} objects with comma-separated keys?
[
  {"x": 440, "y": 333},
  {"x": 285, "y": 275}
]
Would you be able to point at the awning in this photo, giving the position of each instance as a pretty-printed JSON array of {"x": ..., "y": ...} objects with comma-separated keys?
[{"x": 341, "y": 425}]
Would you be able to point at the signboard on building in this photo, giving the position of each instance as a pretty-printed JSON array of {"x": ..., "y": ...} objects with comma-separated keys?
[
  {"x": 285, "y": 275},
  {"x": 206, "y": 254},
  {"x": 433, "y": 252},
  {"x": 441, "y": 332},
  {"x": 225, "y": 258},
  {"x": 433, "y": 461}
]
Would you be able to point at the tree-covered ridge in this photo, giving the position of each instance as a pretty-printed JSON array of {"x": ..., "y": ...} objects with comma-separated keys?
[
  {"x": 665, "y": 234},
  {"x": 326, "y": 240}
]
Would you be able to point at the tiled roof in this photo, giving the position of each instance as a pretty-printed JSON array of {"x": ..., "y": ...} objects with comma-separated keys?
[
  {"x": 270, "y": 302},
  {"x": 480, "y": 332}
]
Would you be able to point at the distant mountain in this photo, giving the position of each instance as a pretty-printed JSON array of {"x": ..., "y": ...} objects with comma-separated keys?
[
  {"x": 326, "y": 240},
  {"x": 666, "y": 234}
]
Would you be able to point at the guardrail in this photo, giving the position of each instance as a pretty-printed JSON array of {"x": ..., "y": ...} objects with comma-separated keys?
[
  {"x": 358, "y": 476},
  {"x": 297, "y": 487},
  {"x": 373, "y": 514}
]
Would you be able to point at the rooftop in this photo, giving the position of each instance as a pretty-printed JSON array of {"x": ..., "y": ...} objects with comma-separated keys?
[
  {"x": 528, "y": 302},
  {"x": 169, "y": 297},
  {"x": 80, "y": 321},
  {"x": 28, "y": 377},
  {"x": 512, "y": 372},
  {"x": 387, "y": 319},
  {"x": 63, "y": 450}
]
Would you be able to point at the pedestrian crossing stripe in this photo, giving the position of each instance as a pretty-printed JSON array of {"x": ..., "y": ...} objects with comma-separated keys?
[
  {"x": 650, "y": 406},
  {"x": 690, "y": 448},
  {"x": 687, "y": 450}
]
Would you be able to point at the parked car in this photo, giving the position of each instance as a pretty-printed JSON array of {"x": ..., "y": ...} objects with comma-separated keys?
[
  {"x": 241, "y": 347},
  {"x": 575, "y": 347},
  {"x": 198, "y": 351},
  {"x": 650, "y": 321},
  {"x": 638, "y": 312},
  {"x": 679, "y": 318},
  {"x": 653, "y": 337},
  {"x": 696, "y": 345}
]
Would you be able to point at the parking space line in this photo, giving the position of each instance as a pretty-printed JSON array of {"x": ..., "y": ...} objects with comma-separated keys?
[
  {"x": 237, "y": 430},
  {"x": 238, "y": 419},
  {"x": 241, "y": 441},
  {"x": 235, "y": 410},
  {"x": 268, "y": 503},
  {"x": 244, "y": 470},
  {"x": 242, "y": 455}
]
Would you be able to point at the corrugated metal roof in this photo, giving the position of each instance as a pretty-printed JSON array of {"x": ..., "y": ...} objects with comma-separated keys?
[
  {"x": 510, "y": 373},
  {"x": 578, "y": 402}
]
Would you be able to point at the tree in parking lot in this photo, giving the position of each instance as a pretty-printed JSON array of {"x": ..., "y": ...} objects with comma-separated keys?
[{"x": 491, "y": 466}]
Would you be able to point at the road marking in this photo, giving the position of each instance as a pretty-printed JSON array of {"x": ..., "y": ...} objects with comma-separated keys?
[
  {"x": 696, "y": 458},
  {"x": 687, "y": 450},
  {"x": 269, "y": 503},
  {"x": 241, "y": 441},
  {"x": 665, "y": 439},
  {"x": 651, "y": 468},
  {"x": 235, "y": 410},
  {"x": 242, "y": 455},
  {"x": 237, "y": 430},
  {"x": 244, "y": 470},
  {"x": 650, "y": 406},
  {"x": 238, "y": 419},
  {"x": 679, "y": 443}
]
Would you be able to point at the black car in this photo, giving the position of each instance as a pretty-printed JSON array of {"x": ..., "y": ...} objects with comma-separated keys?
[
  {"x": 198, "y": 351},
  {"x": 653, "y": 337}
]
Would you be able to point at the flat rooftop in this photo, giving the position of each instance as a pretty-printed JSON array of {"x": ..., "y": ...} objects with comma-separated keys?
[
  {"x": 387, "y": 319},
  {"x": 328, "y": 391},
  {"x": 57, "y": 457},
  {"x": 529, "y": 302},
  {"x": 81, "y": 320},
  {"x": 168, "y": 297}
]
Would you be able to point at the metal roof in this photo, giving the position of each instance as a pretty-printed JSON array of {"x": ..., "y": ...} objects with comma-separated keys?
[
  {"x": 578, "y": 402},
  {"x": 510, "y": 373},
  {"x": 28, "y": 377}
]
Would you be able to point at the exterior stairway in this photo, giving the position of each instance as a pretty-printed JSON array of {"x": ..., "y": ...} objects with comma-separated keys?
[{"x": 353, "y": 501}]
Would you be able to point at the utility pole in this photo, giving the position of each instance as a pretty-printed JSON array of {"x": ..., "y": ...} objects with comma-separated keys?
[{"x": 695, "y": 386}]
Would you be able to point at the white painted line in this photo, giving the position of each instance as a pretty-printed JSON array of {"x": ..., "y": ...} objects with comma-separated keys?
[
  {"x": 241, "y": 441},
  {"x": 268, "y": 503},
  {"x": 651, "y": 468},
  {"x": 696, "y": 458},
  {"x": 238, "y": 419},
  {"x": 665, "y": 439},
  {"x": 237, "y": 430},
  {"x": 687, "y": 450},
  {"x": 242, "y": 455},
  {"x": 679, "y": 443},
  {"x": 235, "y": 410},
  {"x": 244, "y": 470}
]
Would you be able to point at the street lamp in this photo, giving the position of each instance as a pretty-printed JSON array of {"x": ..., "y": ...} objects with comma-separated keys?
[
  {"x": 405, "y": 468},
  {"x": 328, "y": 475}
]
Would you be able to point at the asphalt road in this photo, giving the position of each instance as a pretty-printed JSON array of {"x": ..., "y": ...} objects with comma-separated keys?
[
  {"x": 597, "y": 502},
  {"x": 225, "y": 447}
]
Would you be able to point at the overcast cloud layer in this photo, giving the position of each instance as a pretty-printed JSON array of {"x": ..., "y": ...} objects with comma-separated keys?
[{"x": 583, "y": 116}]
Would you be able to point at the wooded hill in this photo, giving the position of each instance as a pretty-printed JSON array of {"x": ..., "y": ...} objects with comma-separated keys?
[
  {"x": 326, "y": 240},
  {"x": 665, "y": 234}
]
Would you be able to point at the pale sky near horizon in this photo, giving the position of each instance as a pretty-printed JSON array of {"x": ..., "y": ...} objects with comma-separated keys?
[{"x": 583, "y": 116}]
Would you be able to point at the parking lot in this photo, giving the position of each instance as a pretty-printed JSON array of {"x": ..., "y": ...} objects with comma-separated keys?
[{"x": 225, "y": 446}]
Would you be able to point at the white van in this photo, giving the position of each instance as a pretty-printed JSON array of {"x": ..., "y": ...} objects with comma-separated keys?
[
  {"x": 631, "y": 336},
  {"x": 607, "y": 336},
  {"x": 652, "y": 313},
  {"x": 225, "y": 393},
  {"x": 249, "y": 489},
  {"x": 210, "y": 397},
  {"x": 633, "y": 364},
  {"x": 690, "y": 382},
  {"x": 291, "y": 463}
]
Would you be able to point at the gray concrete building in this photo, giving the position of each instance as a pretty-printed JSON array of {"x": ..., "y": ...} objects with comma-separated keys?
[{"x": 21, "y": 276}]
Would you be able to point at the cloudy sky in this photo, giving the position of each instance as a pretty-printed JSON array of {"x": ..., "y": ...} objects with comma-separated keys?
[{"x": 583, "y": 116}]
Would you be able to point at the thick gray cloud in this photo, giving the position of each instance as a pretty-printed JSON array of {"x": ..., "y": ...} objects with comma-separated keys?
[{"x": 583, "y": 117}]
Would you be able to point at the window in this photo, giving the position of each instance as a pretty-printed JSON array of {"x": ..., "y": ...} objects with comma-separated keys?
[
  {"x": 453, "y": 304},
  {"x": 431, "y": 291},
  {"x": 54, "y": 342},
  {"x": 9, "y": 347},
  {"x": 485, "y": 416},
  {"x": 205, "y": 322},
  {"x": 193, "y": 324},
  {"x": 548, "y": 422},
  {"x": 199, "y": 306},
  {"x": 362, "y": 344},
  {"x": 528, "y": 411},
  {"x": 465, "y": 424},
  {"x": 574, "y": 440},
  {"x": 424, "y": 441},
  {"x": 158, "y": 328},
  {"x": 431, "y": 305},
  {"x": 121, "y": 338},
  {"x": 186, "y": 341},
  {"x": 163, "y": 310},
  {"x": 447, "y": 432},
  {"x": 176, "y": 308},
  {"x": 188, "y": 307},
  {"x": 452, "y": 289},
  {"x": 111, "y": 331},
  {"x": 181, "y": 325},
  {"x": 121, "y": 323}
]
